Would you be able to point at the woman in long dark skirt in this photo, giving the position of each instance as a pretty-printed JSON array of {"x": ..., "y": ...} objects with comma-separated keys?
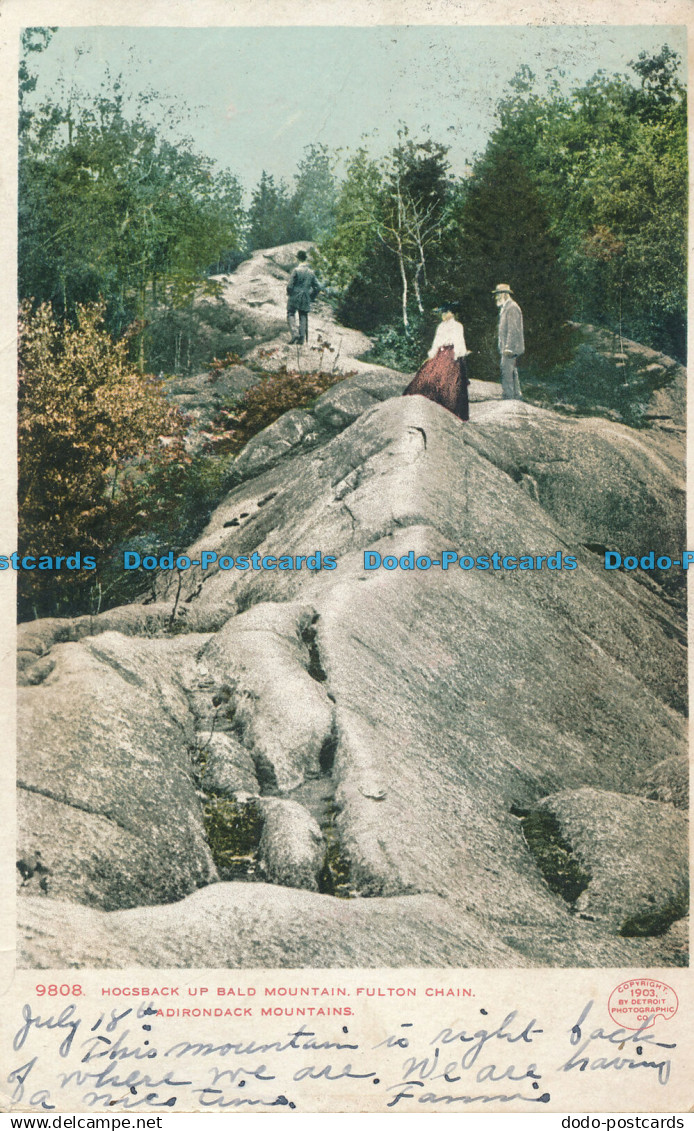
[{"x": 443, "y": 377}]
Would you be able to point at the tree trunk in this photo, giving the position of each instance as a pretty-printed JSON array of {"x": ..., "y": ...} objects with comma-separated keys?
[
  {"x": 403, "y": 278},
  {"x": 143, "y": 307},
  {"x": 417, "y": 273}
]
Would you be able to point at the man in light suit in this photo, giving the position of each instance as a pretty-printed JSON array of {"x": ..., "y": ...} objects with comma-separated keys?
[{"x": 511, "y": 342}]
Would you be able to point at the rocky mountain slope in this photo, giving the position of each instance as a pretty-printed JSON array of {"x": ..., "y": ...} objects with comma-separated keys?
[{"x": 387, "y": 767}]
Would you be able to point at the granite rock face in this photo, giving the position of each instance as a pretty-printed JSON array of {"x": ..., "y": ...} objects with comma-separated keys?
[
  {"x": 668, "y": 781},
  {"x": 398, "y": 766},
  {"x": 634, "y": 852},
  {"x": 281, "y": 712},
  {"x": 292, "y": 848},
  {"x": 108, "y": 811}
]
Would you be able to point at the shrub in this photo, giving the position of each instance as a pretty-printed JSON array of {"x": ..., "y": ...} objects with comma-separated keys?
[
  {"x": 90, "y": 426},
  {"x": 274, "y": 394},
  {"x": 401, "y": 348},
  {"x": 103, "y": 462},
  {"x": 173, "y": 503},
  {"x": 183, "y": 340}
]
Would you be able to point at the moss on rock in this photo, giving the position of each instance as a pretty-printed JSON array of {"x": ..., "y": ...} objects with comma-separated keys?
[
  {"x": 334, "y": 876},
  {"x": 233, "y": 831},
  {"x": 657, "y": 921},
  {"x": 560, "y": 869}
]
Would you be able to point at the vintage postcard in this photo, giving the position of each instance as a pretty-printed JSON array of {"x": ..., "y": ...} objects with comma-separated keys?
[{"x": 349, "y": 561}]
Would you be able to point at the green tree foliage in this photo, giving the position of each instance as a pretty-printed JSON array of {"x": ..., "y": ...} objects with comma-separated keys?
[
  {"x": 505, "y": 238},
  {"x": 109, "y": 210},
  {"x": 315, "y": 194},
  {"x": 391, "y": 226},
  {"x": 271, "y": 220},
  {"x": 342, "y": 253},
  {"x": 611, "y": 162},
  {"x": 353, "y": 257},
  {"x": 278, "y": 215},
  {"x": 96, "y": 440},
  {"x": 660, "y": 84},
  {"x": 409, "y": 237},
  {"x": 411, "y": 219},
  {"x": 32, "y": 40},
  {"x": 579, "y": 202}
]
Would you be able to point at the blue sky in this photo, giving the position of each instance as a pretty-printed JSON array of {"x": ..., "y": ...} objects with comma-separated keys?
[{"x": 253, "y": 98}]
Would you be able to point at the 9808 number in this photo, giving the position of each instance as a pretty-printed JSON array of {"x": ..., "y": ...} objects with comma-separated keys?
[{"x": 63, "y": 990}]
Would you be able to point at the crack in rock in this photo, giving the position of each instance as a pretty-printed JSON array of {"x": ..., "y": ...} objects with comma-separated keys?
[{"x": 254, "y": 830}]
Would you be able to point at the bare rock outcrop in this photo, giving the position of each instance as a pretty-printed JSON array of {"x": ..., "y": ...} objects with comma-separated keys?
[
  {"x": 632, "y": 854},
  {"x": 108, "y": 810},
  {"x": 257, "y": 289},
  {"x": 384, "y": 766},
  {"x": 668, "y": 781},
  {"x": 281, "y": 712},
  {"x": 291, "y": 848}
]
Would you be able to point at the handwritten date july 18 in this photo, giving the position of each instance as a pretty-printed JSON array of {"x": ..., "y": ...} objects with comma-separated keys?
[{"x": 71, "y": 1059}]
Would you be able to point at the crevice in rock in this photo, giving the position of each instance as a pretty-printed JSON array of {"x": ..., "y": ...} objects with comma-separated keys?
[
  {"x": 36, "y": 672},
  {"x": 417, "y": 428},
  {"x": 334, "y": 878},
  {"x": 348, "y": 485},
  {"x": 528, "y": 483},
  {"x": 351, "y": 516},
  {"x": 122, "y": 671},
  {"x": 80, "y": 806},
  {"x": 563, "y": 873},
  {"x": 518, "y": 811},
  {"x": 247, "y": 599},
  {"x": 315, "y": 668},
  {"x": 319, "y": 795},
  {"x": 265, "y": 773},
  {"x": 234, "y": 823},
  {"x": 327, "y": 754},
  {"x": 199, "y": 752}
]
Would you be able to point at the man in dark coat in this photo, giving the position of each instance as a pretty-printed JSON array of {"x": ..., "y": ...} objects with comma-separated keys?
[
  {"x": 302, "y": 288},
  {"x": 511, "y": 342}
]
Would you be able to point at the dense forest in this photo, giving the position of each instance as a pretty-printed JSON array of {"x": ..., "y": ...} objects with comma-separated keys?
[{"x": 579, "y": 201}]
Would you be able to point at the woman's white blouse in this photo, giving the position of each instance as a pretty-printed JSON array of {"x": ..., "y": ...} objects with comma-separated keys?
[{"x": 449, "y": 333}]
